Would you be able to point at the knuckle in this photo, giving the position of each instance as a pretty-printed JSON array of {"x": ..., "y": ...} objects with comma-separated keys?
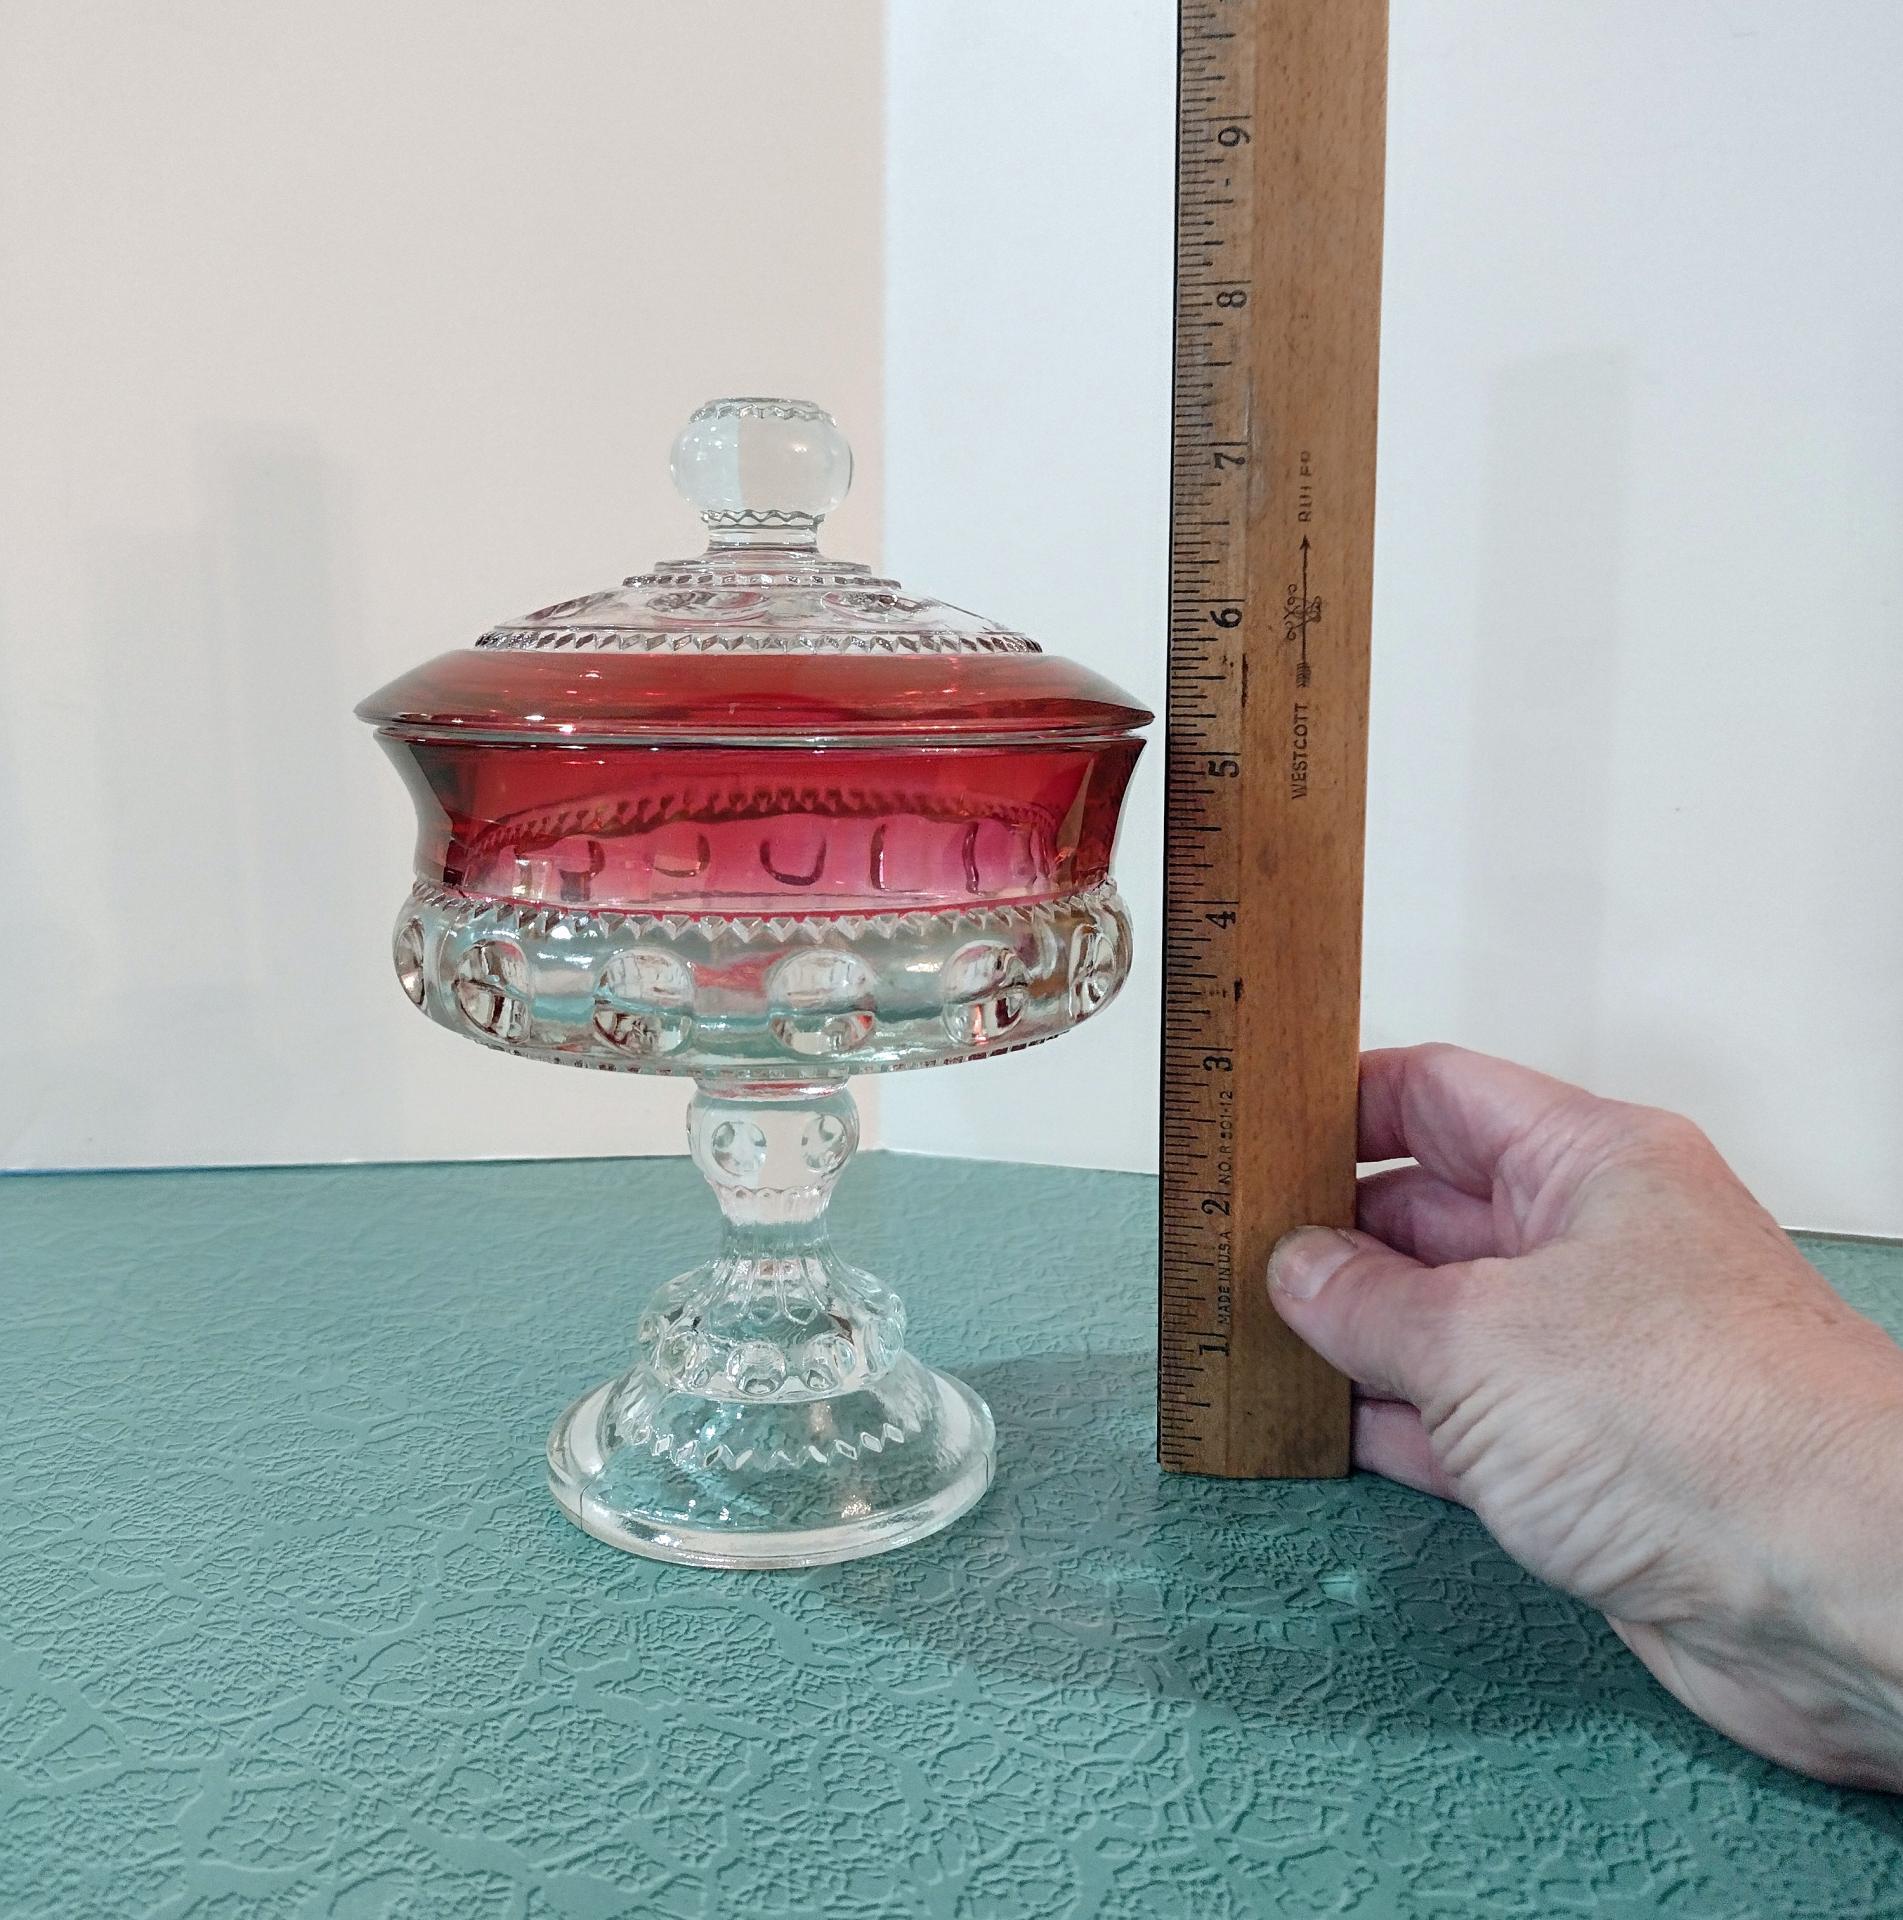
[
  {"x": 1613, "y": 1133},
  {"x": 1436, "y": 1052},
  {"x": 1433, "y": 1062},
  {"x": 1668, "y": 1138}
]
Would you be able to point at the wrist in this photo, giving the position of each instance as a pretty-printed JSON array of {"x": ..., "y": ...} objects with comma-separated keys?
[{"x": 1834, "y": 1587}]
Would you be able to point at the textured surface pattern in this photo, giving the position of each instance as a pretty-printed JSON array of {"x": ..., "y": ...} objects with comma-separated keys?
[{"x": 289, "y": 1626}]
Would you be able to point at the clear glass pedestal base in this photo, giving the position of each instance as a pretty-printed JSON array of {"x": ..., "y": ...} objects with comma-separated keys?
[
  {"x": 772, "y": 1417},
  {"x": 823, "y": 1497}
]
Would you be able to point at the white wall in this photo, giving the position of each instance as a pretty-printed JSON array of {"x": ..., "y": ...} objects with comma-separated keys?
[
  {"x": 1637, "y": 795},
  {"x": 329, "y": 335},
  {"x": 1030, "y": 177},
  {"x": 343, "y": 331}
]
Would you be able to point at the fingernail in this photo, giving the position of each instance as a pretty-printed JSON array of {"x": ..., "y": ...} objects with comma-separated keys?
[{"x": 1303, "y": 1261}]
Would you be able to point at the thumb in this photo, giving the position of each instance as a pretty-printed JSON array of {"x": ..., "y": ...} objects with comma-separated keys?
[{"x": 1364, "y": 1308}]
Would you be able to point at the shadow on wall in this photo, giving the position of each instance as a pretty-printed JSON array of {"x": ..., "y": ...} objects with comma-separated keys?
[
  {"x": 221, "y": 700},
  {"x": 1547, "y": 662}
]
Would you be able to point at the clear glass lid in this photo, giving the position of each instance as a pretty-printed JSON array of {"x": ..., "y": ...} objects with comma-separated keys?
[
  {"x": 763, "y": 474},
  {"x": 761, "y": 638}
]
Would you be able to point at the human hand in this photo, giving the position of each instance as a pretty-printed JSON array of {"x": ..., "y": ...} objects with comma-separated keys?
[{"x": 1572, "y": 1317}]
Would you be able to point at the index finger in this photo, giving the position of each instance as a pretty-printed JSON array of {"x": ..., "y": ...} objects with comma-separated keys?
[{"x": 1459, "y": 1114}]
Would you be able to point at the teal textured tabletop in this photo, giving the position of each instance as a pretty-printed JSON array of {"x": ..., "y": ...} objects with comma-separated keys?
[{"x": 290, "y": 1627}]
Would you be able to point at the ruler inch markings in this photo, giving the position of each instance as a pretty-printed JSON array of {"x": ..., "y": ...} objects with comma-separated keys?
[{"x": 1281, "y": 110}]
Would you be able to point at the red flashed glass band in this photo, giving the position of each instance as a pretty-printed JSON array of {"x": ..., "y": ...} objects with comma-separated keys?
[
  {"x": 603, "y": 695},
  {"x": 603, "y": 782}
]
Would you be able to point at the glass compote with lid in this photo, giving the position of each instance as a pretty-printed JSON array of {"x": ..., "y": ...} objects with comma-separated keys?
[{"x": 764, "y": 819}]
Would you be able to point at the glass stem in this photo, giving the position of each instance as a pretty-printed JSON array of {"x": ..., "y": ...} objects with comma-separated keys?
[{"x": 777, "y": 1315}]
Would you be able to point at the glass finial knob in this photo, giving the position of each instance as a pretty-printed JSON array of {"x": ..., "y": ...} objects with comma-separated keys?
[{"x": 762, "y": 472}]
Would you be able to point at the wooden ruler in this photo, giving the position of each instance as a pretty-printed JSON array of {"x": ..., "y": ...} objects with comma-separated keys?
[{"x": 1281, "y": 139}]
